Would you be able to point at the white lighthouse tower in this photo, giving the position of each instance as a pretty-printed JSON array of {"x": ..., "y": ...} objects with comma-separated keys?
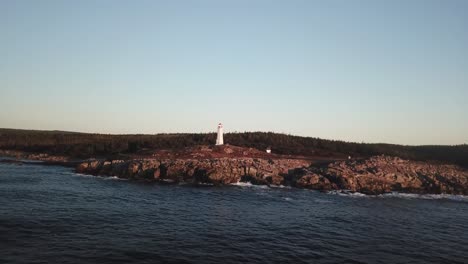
[{"x": 219, "y": 139}]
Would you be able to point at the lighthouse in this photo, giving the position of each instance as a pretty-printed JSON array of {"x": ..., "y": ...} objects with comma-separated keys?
[{"x": 219, "y": 139}]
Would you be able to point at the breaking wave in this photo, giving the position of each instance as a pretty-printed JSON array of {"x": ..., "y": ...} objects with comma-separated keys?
[
  {"x": 94, "y": 176},
  {"x": 249, "y": 184},
  {"x": 280, "y": 186},
  {"x": 453, "y": 197},
  {"x": 348, "y": 193}
]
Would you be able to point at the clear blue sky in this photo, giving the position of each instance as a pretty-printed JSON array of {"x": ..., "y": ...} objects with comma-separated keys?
[{"x": 373, "y": 71}]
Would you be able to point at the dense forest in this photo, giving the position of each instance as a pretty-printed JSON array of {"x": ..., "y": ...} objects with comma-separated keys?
[{"x": 85, "y": 145}]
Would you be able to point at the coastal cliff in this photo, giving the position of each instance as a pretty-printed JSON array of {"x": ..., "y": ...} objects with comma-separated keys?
[
  {"x": 382, "y": 174},
  {"x": 375, "y": 175},
  {"x": 204, "y": 171}
]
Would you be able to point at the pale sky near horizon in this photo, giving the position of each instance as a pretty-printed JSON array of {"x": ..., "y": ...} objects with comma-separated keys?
[{"x": 363, "y": 71}]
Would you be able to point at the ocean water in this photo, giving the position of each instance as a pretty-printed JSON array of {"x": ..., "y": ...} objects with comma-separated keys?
[{"x": 52, "y": 215}]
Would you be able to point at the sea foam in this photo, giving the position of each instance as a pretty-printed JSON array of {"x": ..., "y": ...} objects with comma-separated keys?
[
  {"x": 453, "y": 197},
  {"x": 249, "y": 184},
  {"x": 425, "y": 196}
]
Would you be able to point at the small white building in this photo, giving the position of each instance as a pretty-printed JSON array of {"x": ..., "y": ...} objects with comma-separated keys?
[{"x": 219, "y": 138}]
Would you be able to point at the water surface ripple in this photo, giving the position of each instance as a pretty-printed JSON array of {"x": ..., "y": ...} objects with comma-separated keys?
[{"x": 52, "y": 215}]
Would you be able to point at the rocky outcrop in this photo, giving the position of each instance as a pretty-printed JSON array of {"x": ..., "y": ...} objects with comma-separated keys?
[
  {"x": 33, "y": 156},
  {"x": 381, "y": 174},
  {"x": 375, "y": 175},
  {"x": 212, "y": 171}
]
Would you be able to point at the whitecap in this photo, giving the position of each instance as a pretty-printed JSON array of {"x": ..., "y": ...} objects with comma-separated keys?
[
  {"x": 82, "y": 175},
  {"x": 249, "y": 184},
  {"x": 95, "y": 176},
  {"x": 112, "y": 178},
  {"x": 168, "y": 180},
  {"x": 279, "y": 186},
  {"x": 242, "y": 184},
  {"x": 348, "y": 193},
  {"x": 453, "y": 197}
]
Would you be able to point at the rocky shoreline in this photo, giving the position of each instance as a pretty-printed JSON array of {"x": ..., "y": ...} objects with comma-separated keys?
[{"x": 374, "y": 175}]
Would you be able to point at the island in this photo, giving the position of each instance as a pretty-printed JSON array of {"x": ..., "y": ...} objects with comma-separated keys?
[{"x": 167, "y": 159}]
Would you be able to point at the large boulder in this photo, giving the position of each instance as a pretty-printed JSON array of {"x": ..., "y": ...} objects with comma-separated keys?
[{"x": 315, "y": 181}]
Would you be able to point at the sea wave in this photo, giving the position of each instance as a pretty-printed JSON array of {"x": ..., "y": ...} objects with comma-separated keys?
[
  {"x": 112, "y": 178},
  {"x": 249, "y": 184},
  {"x": 94, "y": 176},
  {"x": 280, "y": 186},
  {"x": 242, "y": 184},
  {"x": 348, "y": 193},
  {"x": 78, "y": 174},
  {"x": 425, "y": 196},
  {"x": 453, "y": 197}
]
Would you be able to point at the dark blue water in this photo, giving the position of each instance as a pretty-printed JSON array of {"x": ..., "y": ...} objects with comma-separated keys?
[{"x": 51, "y": 215}]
